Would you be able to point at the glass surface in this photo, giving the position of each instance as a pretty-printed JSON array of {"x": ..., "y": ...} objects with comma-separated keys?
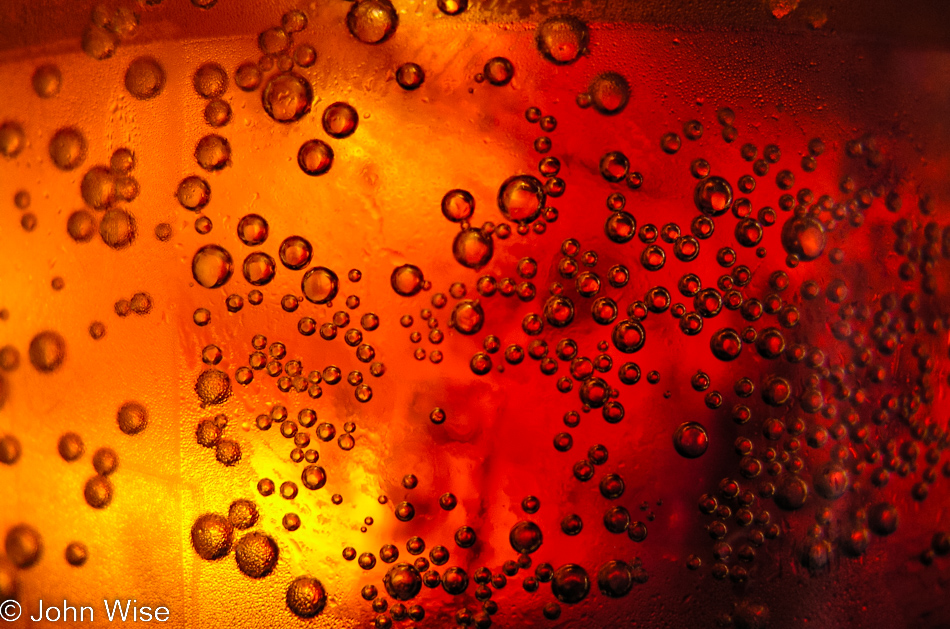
[{"x": 343, "y": 314}]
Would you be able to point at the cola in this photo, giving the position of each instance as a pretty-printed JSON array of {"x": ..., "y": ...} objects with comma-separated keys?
[{"x": 435, "y": 314}]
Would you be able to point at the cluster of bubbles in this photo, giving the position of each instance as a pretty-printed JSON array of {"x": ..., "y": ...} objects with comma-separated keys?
[
  {"x": 818, "y": 429},
  {"x": 804, "y": 236},
  {"x": 108, "y": 26}
]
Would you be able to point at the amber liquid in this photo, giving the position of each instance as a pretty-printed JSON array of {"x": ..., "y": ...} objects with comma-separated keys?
[{"x": 676, "y": 357}]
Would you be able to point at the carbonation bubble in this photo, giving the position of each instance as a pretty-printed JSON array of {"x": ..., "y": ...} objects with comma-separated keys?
[
  {"x": 12, "y": 138},
  {"x": 227, "y": 452},
  {"x": 117, "y": 229},
  {"x": 287, "y": 97},
  {"x": 306, "y": 597},
  {"x": 211, "y": 536},
  {"x": 76, "y": 554},
  {"x": 750, "y": 615},
  {"x": 212, "y": 266},
  {"x": 558, "y": 311},
  {"x": 47, "y": 81},
  {"x": 208, "y": 434},
  {"x": 615, "y": 579},
  {"x": 403, "y": 582},
  {"x": 243, "y": 514},
  {"x": 9, "y": 358},
  {"x": 452, "y": 7},
  {"x": 132, "y": 418},
  {"x": 525, "y": 537},
  {"x": 98, "y": 492},
  {"x": 98, "y": 187},
  {"x": 28, "y": 221},
  {"x": 81, "y": 226},
  {"x": 713, "y": 196},
  {"x": 21, "y": 199},
  {"x": 67, "y": 148},
  {"x": 455, "y": 580},
  {"x": 410, "y": 76},
  {"x": 70, "y": 446},
  {"x": 406, "y": 280},
  {"x": 748, "y": 232},
  {"x": 803, "y": 237},
  {"x": 213, "y": 387},
  {"x": 562, "y": 39},
  {"x": 770, "y": 343},
  {"x": 259, "y": 268},
  {"x": 670, "y": 143},
  {"x": 620, "y": 227},
  {"x": 193, "y": 193},
  {"x": 520, "y": 198},
  {"x": 98, "y": 43},
  {"x": 726, "y": 344},
  {"x": 499, "y": 71},
  {"x": 47, "y": 351},
  {"x": 612, "y": 487},
  {"x": 776, "y": 391},
  {"x": 315, "y": 157},
  {"x": 105, "y": 461},
  {"x": 296, "y": 252},
  {"x": 313, "y": 477},
  {"x": 305, "y": 55},
  {"x": 831, "y": 481},
  {"x": 319, "y": 285},
  {"x": 23, "y": 546},
  {"x": 404, "y": 511},
  {"x": 472, "y": 248},
  {"x": 253, "y": 230},
  {"x": 372, "y": 21},
  {"x": 791, "y": 492},
  {"x": 145, "y": 78},
  {"x": 210, "y": 80},
  {"x": 247, "y": 76},
  {"x": 628, "y": 336},
  {"x": 213, "y": 152},
  {"x": 274, "y": 41},
  {"x": 291, "y": 521},
  {"x": 294, "y": 21},
  {"x": 594, "y": 393},
  {"x": 458, "y": 205},
  {"x": 10, "y": 448},
  {"x": 570, "y": 584},
  {"x": 614, "y": 166},
  {"x": 340, "y": 120},
  {"x": 467, "y": 317},
  {"x": 141, "y": 303},
  {"x": 609, "y": 93},
  {"x": 256, "y": 555},
  {"x": 693, "y": 129},
  {"x": 883, "y": 518},
  {"x": 217, "y": 113},
  {"x": 690, "y": 440}
]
